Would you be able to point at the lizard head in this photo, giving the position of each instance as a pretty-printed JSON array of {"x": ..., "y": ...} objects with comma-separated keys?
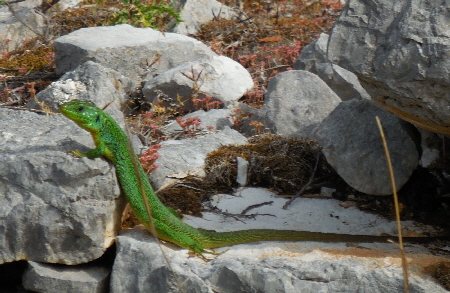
[{"x": 85, "y": 114}]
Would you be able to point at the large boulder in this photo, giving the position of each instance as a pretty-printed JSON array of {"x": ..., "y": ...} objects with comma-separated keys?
[
  {"x": 133, "y": 52},
  {"x": 53, "y": 207},
  {"x": 314, "y": 58},
  {"x": 264, "y": 267},
  {"x": 400, "y": 51},
  {"x": 220, "y": 77},
  {"x": 88, "y": 82},
  {"x": 296, "y": 102},
  {"x": 352, "y": 145}
]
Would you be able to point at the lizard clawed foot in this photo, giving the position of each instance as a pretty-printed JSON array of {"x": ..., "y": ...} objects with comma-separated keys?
[
  {"x": 193, "y": 253},
  {"x": 77, "y": 154}
]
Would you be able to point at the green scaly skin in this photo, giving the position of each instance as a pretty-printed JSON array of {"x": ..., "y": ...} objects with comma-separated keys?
[{"x": 112, "y": 142}]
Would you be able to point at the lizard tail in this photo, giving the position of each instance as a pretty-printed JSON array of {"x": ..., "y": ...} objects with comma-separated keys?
[{"x": 210, "y": 239}]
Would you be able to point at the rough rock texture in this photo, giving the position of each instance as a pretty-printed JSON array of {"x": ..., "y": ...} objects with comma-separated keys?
[
  {"x": 314, "y": 58},
  {"x": 88, "y": 82},
  {"x": 197, "y": 12},
  {"x": 23, "y": 22},
  {"x": 214, "y": 119},
  {"x": 273, "y": 269},
  {"x": 11, "y": 28},
  {"x": 188, "y": 155},
  {"x": 400, "y": 51},
  {"x": 244, "y": 114},
  {"x": 296, "y": 102},
  {"x": 50, "y": 278},
  {"x": 54, "y": 208},
  {"x": 352, "y": 145},
  {"x": 220, "y": 77},
  {"x": 133, "y": 52}
]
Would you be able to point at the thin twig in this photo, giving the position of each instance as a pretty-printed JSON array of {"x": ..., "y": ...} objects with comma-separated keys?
[
  {"x": 306, "y": 185},
  {"x": 254, "y": 206},
  {"x": 187, "y": 186},
  {"x": 237, "y": 217},
  {"x": 397, "y": 209}
]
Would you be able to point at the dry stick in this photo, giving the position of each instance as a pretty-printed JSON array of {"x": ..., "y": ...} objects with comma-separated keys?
[
  {"x": 306, "y": 185},
  {"x": 397, "y": 209},
  {"x": 254, "y": 206},
  {"x": 216, "y": 210}
]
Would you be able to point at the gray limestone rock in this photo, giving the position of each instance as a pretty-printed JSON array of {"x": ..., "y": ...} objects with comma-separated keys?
[
  {"x": 296, "y": 102},
  {"x": 22, "y": 25},
  {"x": 133, "y": 52},
  {"x": 88, "y": 82},
  {"x": 220, "y": 77},
  {"x": 188, "y": 155},
  {"x": 352, "y": 145},
  {"x": 212, "y": 120},
  {"x": 243, "y": 115},
  {"x": 131, "y": 275},
  {"x": 52, "y": 278},
  {"x": 400, "y": 52},
  {"x": 195, "y": 13},
  {"x": 270, "y": 269},
  {"x": 63, "y": 5},
  {"x": 53, "y": 207},
  {"x": 315, "y": 60}
]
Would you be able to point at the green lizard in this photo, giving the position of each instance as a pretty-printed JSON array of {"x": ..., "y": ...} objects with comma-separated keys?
[{"x": 112, "y": 142}]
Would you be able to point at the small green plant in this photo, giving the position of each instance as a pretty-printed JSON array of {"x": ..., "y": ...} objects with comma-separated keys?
[{"x": 145, "y": 14}]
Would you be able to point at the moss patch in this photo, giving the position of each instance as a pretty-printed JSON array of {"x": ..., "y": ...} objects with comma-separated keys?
[{"x": 283, "y": 164}]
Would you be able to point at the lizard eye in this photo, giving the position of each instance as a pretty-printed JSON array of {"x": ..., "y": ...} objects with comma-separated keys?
[
  {"x": 80, "y": 109},
  {"x": 97, "y": 119}
]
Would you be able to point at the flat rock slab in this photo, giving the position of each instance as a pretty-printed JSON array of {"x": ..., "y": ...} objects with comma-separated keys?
[
  {"x": 274, "y": 266},
  {"x": 53, "y": 207},
  {"x": 307, "y": 214},
  {"x": 51, "y": 278}
]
